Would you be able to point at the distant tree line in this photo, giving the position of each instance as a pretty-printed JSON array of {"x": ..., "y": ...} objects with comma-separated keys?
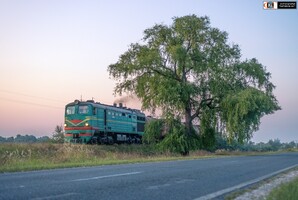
[
  {"x": 271, "y": 145},
  {"x": 24, "y": 139},
  {"x": 57, "y": 137}
]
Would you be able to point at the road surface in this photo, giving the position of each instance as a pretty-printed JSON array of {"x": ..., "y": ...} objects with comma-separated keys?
[{"x": 190, "y": 179}]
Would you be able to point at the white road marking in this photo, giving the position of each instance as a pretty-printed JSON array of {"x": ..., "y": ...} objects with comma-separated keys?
[
  {"x": 55, "y": 196},
  {"x": 227, "y": 190},
  {"x": 180, "y": 181},
  {"x": 107, "y": 176},
  {"x": 155, "y": 187}
]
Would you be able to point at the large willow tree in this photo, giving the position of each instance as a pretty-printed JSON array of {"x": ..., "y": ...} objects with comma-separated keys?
[{"x": 188, "y": 69}]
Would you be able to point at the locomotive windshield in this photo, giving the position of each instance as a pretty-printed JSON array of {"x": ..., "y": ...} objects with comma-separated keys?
[
  {"x": 83, "y": 109},
  {"x": 70, "y": 110}
]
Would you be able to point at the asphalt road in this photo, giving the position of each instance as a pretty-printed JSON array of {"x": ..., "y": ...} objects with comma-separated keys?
[{"x": 191, "y": 179}]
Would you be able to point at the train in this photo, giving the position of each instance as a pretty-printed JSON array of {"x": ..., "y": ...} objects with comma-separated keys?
[{"x": 90, "y": 122}]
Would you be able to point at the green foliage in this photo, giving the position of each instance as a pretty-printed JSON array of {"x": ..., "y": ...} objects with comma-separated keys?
[
  {"x": 208, "y": 139},
  {"x": 243, "y": 111},
  {"x": 207, "y": 130},
  {"x": 169, "y": 135},
  {"x": 177, "y": 141},
  {"x": 188, "y": 69},
  {"x": 153, "y": 131},
  {"x": 172, "y": 66},
  {"x": 58, "y": 135},
  {"x": 275, "y": 144}
]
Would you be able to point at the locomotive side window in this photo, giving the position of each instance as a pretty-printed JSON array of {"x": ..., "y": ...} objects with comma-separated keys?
[
  {"x": 141, "y": 118},
  {"x": 83, "y": 109},
  {"x": 70, "y": 110}
]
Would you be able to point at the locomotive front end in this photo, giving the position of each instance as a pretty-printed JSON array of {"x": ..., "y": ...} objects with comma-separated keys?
[{"x": 78, "y": 122}]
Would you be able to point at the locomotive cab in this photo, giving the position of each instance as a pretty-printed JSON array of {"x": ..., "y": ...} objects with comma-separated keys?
[{"x": 78, "y": 124}]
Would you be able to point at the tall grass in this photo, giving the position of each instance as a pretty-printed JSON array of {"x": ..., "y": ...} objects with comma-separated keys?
[{"x": 23, "y": 157}]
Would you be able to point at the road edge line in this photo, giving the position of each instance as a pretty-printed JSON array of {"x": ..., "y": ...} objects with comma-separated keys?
[{"x": 227, "y": 190}]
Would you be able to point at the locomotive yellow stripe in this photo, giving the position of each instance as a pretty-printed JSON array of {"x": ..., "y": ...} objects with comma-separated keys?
[
  {"x": 66, "y": 120},
  {"x": 85, "y": 120},
  {"x": 96, "y": 119}
]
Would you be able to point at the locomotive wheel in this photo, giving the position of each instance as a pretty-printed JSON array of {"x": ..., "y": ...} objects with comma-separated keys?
[
  {"x": 93, "y": 140},
  {"x": 110, "y": 140}
]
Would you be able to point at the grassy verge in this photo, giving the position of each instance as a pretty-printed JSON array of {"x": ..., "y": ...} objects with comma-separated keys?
[
  {"x": 287, "y": 191},
  {"x": 25, "y": 157}
]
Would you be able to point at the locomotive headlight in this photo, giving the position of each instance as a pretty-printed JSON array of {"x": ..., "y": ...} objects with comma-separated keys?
[
  {"x": 65, "y": 125},
  {"x": 86, "y": 124}
]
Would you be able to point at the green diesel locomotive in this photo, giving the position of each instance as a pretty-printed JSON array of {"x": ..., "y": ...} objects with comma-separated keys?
[{"x": 90, "y": 122}]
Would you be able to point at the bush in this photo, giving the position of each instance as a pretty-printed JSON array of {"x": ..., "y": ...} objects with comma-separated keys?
[
  {"x": 153, "y": 131},
  {"x": 208, "y": 139},
  {"x": 177, "y": 141},
  {"x": 58, "y": 135}
]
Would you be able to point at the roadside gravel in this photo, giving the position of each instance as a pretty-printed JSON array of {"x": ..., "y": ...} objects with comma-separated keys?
[{"x": 263, "y": 191}]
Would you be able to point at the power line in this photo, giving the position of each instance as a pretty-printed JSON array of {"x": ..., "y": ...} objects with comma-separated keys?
[
  {"x": 32, "y": 96},
  {"x": 30, "y": 103}
]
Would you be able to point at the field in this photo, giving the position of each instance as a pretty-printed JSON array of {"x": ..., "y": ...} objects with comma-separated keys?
[{"x": 24, "y": 157}]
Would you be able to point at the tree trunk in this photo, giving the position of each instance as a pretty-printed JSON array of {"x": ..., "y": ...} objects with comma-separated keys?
[{"x": 188, "y": 126}]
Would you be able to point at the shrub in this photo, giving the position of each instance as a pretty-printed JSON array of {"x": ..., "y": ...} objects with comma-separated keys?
[
  {"x": 177, "y": 140},
  {"x": 153, "y": 131}
]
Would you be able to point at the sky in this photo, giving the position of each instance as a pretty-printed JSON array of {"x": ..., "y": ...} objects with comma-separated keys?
[{"x": 55, "y": 51}]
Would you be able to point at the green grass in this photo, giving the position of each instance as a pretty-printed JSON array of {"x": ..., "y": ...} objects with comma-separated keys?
[{"x": 288, "y": 191}]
